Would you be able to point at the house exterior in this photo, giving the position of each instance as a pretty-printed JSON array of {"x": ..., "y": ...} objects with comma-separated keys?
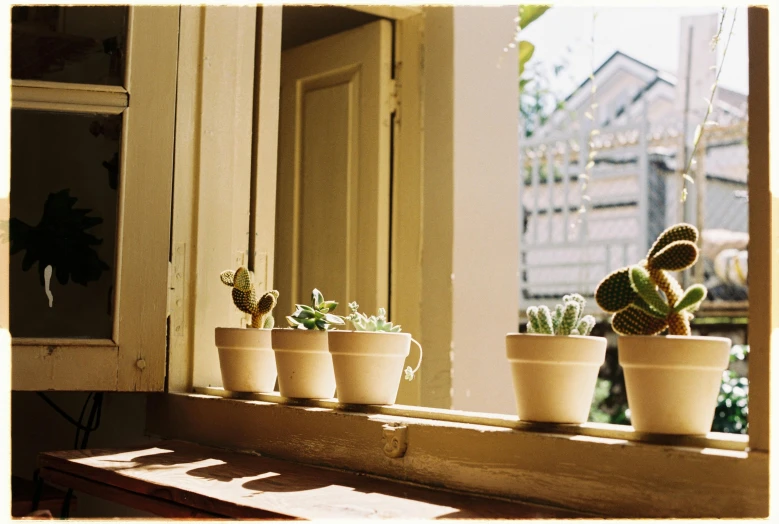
[{"x": 634, "y": 190}]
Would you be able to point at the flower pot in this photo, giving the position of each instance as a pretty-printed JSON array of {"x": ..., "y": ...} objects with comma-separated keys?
[
  {"x": 246, "y": 359},
  {"x": 672, "y": 382},
  {"x": 368, "y": 365},
  {"x": 554, "y": 376},
  {"x": 303, "y": 363}
]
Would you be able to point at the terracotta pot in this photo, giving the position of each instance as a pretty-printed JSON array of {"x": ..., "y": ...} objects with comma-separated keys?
[
  {"x": 246, "y": 359},
  {"x": 672, "y": 382},
  {"x": 303, "y": 363},
  {"x": 368, "y": 365},
  {"x": 554, "y": 375}
]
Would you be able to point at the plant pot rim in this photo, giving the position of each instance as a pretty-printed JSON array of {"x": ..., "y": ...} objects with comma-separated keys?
[
  {"x": 354, "y": 331},
  {"x": 681, "y": 338},
  {"x": 241, "y": 328},
  {"x": 580, "y": 337}
]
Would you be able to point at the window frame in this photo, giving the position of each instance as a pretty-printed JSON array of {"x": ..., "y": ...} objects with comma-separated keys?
[
  {"x": 603, "y": 469},
  {"x": 134, "y": 358}
]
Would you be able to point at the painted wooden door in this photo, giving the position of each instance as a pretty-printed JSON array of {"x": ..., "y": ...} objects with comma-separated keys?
[{"x": 333, "y": 196}]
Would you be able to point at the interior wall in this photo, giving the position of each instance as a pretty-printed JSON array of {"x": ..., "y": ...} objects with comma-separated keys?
[
  {"x": 36, "y": 427},
  {"x": 485, "y": 276}
]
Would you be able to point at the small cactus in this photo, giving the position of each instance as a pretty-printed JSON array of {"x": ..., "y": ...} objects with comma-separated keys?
[
  {"x": 567, "y": 318},
  {"x": 633, "y": 293},
  {"x": 316, "y": 316},
  {"x": 245, "y": 297}
]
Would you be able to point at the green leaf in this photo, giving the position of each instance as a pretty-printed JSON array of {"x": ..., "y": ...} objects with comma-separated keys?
[
  {"x": 329, "y": 305},
  {"x": 530, "y": 13},
  {"x": 334, "y": 319},
  {"x": 292, "y": 322},
  {"x": 692, "y": 298},
  {"x": 526, "y": 50},
  {"x": 303, "y": 307},
  {"x": 310, "y": 323},
  {"x": 321, "y": 324},
  {"x": 304, "y": 314},
  {"x": 643, "y": 285}
]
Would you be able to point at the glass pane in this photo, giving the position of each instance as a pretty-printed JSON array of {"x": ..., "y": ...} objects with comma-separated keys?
[
  {"x": 64, "y": 177},
  {"x": 84, "y": 45}
]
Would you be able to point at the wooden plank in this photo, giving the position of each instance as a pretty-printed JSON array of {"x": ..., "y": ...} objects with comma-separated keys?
[
  {"x": 265, "y": 145},
  {"x": 50, "y": 94},
  {"x": 763, "y": 233},
  {"x": 64, "y": 368},
  {"x": 407, "y": 216},
  {"x": 61, "y": 107},
  {"x": 724, "y": 441},
  {"x": 146, "y": 185},
  {"x": 127, "y": 498},
  {"x": 222, "y": 163},
  {"x": 240, "y": 485},
  {"x": 393, "y": 12},
  {"x": 611, "y": 477}
]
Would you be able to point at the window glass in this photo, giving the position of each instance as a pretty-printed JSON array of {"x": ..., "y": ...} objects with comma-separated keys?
[
  {"x": 64, "y": 180},
  {"x": 69, "y": 44}
]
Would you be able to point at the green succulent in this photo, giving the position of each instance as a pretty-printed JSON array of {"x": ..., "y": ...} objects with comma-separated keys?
[
  {"x": 644, "y": 298},
  {"x": 245, "y": 297},
  {"x": 362, "y": 322},
  {"x": 316, "y": 316},
  {"x": 566, "y": 319}
]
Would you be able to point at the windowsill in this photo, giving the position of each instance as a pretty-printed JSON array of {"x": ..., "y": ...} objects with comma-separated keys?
[
  {"x": 596, "y": 468},
  {"x": 608, "y": 433}
]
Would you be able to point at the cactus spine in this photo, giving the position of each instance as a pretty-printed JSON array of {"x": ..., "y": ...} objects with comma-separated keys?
[
  {"x": 245, "y": 297},
  {"x": 567, "y": 318}
]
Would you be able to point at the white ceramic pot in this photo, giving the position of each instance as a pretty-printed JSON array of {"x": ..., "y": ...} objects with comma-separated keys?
[
  {"x": 368, "y": 365},
  {"x": 304, "y": 364},
  {"x": 672, "y": 382},
  {"x": 246, "y": 359},
  {"x": 554, "y": 375}
]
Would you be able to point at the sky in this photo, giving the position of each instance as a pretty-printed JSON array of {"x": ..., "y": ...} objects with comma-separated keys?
[{"x": 649, "y": 34}]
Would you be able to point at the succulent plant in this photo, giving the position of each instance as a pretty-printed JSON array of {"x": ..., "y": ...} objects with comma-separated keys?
[
  {"x": 245, "y": 297},
  {"x": 362, "y": 322},
  {"x": 567, "y": 318},
  {"x": 644, "y": 298},
  {"x": 316, "y": 316}
]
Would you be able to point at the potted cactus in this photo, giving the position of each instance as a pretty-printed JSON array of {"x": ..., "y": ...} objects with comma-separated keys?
[
  {"x": 555, "y": 364},
  {"x": 672, "y": 381},
  {"x": 368, "y": 361},
  {"x": 245, "y": 354},
  {"x": 302, "y": 359}
]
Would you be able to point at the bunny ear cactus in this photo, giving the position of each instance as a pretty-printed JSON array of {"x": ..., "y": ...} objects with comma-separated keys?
[
  {"x": 567, "y": 318},
  {"x": 245, "y": 297},
  {"x": 316, "y": 316},
  {"x": 633, "y": 293}
]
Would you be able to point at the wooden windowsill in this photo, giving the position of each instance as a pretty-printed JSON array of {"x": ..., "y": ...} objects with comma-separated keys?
[
  {"x": 180, "y": 479},
  {"x": 479, "y": 454}
]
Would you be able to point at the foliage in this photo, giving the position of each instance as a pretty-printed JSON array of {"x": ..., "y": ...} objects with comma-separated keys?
[
  {"x": 732, "y": 403},
  {"x": 245, "y": 297},
  {"x": 362, "y": 322},
  {"x": 631, "y": 293},
  {"x": 60, "y": 240},
  {"x": 316, "y": 316},
  {"x": 567, "y": 318}
]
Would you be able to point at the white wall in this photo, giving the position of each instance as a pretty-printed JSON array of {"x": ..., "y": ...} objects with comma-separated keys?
[{"x": 486, "y": 207}]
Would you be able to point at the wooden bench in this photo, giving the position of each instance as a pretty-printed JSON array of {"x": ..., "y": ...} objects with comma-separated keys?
[{"x": 183, "y": 480}]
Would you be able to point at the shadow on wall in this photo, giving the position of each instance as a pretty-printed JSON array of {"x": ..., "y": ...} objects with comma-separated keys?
[{"x": 36, "y": 427}]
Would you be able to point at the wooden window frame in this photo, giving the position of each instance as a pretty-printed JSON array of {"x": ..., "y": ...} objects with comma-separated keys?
[
  {"x": 134, "y": 358},
  {"x": 603, "y": 469}
]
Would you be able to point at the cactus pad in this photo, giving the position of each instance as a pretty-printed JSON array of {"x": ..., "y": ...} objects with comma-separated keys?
[
  {"x": 676, "y": 256},
  {"x": 615, "y": 292},
  {"x": 672, "y": 234},
  {"x": 636, "y": 321}
]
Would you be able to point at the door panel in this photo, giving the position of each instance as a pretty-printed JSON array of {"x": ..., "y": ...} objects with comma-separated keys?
[{"x": 332, "y": 226}]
